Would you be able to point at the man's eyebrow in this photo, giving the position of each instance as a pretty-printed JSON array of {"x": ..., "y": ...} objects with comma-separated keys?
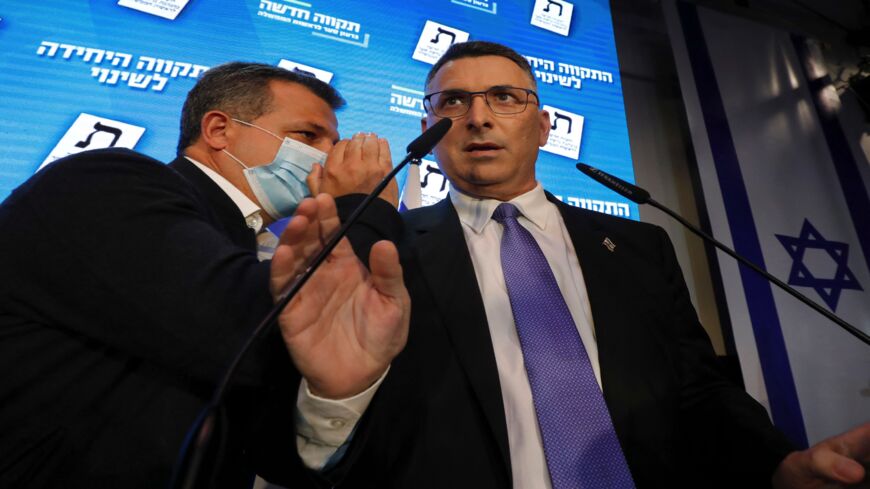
[
  {"x": 307, "y": 126},
  {"x": 449, "y": 90},
  {"x": 326, "y": 131}
]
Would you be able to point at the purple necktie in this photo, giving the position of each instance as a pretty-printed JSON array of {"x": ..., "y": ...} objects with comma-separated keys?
[{"x": 579, "y": 441}]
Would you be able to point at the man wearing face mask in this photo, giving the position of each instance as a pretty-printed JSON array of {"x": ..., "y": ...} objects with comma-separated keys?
[
  {"x": 129, "y": 285},
  {"x": 268, "y": 164}
]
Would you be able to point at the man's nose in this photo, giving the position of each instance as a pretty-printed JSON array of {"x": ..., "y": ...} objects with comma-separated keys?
[{"x": 479, "y": 114}]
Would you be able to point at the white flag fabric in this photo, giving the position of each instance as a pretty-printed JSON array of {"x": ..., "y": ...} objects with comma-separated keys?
[{"x": 784, "y": 186}]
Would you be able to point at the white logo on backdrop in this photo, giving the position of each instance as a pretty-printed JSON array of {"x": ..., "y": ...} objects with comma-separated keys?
[
  {"x": 113, "y": 66},
  {"x": 566, "y": 130},
  {"x": 433, "y": 184},
  {"x": 322, "y": 75},
  {"x": 92, "y": 132},
  {"x": 435, "y": 40},
  {"x": 168, "y": 9},
  {"x": 406, "y": 101},
  {"x": 300, "y": 14},
  {"x": 487, "y": 6},
  {"x": 568, "y": 76},
  {"x": 553, "y": 15},
  {"x": 620, "y": 209}
]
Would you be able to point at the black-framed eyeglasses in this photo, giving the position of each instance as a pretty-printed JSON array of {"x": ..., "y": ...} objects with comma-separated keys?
[{"x": 502, "y": 100}]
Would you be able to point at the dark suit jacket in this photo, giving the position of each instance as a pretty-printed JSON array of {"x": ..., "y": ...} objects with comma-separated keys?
[
  {"x": 127, "y": 287},
  {"x": 438, "y": 419}
]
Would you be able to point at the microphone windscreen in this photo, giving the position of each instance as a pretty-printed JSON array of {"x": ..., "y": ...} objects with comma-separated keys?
[
  {"x": 623, "y": 188},
  {"x": 424, "y": 143}
]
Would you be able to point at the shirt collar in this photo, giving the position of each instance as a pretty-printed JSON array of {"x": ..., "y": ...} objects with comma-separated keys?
[
  {"x": 246, "y": 206},
  {"x": 476, "y": 213}
]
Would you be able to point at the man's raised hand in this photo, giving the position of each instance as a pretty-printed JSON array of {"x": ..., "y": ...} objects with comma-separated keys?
[{"x": 346, "y": 324}]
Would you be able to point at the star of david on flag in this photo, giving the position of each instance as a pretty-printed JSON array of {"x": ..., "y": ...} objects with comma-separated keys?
[{"x": 828, "y": 288}]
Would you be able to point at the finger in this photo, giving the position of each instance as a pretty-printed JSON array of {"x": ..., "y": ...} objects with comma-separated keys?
[
  {"x": 384, "y": 158},
  {"x": 386, "y": 272},
  {"x": 283, "y": 268},
  {"x": 335, "y": 159},
  {"x": 828, "y": 464},
  {"x": 353, "y": 151},
  {"x": 848, "y": 471},
  {"x": 327, "y": 216},
  {"x": 303, "y": 232},
  {"x": 855, "y": 443},
  {"x": 291, "y": 254},
  {"x": 297, "y": 228},
  {"x": 370, "y": 150},
  {"x": 313, "y": 179}
]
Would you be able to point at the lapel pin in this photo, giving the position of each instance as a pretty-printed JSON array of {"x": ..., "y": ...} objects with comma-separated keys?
[{"x": 610, "y": 245}]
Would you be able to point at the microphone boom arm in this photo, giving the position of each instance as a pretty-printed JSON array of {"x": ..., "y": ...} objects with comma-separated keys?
[
  {"x": 779, "y": 283},
  {"x": 641, "y": 196}
]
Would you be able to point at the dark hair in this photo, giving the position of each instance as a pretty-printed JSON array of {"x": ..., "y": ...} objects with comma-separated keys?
[
  {"x": 475, "y": 49},
  {"x": 242, "y": 90}
]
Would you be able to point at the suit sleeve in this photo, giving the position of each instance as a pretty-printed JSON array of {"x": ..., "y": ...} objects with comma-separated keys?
[
  {"x": 731, "y": 434},
  {"x": 117, "y": 249},
  {"x": 381, "y": 221}
]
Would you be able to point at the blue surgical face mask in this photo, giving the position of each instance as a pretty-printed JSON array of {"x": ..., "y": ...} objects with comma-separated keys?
[{"x": 280, "y": 185}]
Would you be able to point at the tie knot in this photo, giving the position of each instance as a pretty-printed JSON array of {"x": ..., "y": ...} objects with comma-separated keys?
[{"x": 505, "y": 211}]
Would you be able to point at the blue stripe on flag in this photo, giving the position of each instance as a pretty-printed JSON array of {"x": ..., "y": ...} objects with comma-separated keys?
[
  {"x": 776, "y": 370},
  {"x": 854, "y": 191}
]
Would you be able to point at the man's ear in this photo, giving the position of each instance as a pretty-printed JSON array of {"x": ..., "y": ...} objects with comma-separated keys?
[
  {"x": 215, "y": 129},
  {"x": 544, "y": 121}
]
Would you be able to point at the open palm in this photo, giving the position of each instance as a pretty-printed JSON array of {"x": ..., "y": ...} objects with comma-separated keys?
[{"x": 346, "y": 324}]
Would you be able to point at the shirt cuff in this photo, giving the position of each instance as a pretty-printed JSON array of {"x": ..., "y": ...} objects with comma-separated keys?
[{"x": 324, "y": 425}]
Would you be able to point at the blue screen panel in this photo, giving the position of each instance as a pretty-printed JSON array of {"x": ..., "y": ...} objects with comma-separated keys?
[{"x": 78, "y": 75}]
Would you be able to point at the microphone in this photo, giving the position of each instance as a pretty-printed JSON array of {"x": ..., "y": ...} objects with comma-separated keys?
[
  {"x": 190, "y": 460},
  {"x": 623, "y": 188},
  {"x": 425, "y": 142},
  {"x": 641, "y": 196}
]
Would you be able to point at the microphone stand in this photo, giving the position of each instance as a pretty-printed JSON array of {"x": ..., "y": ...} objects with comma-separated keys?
[{"x": 641, "y": 196}]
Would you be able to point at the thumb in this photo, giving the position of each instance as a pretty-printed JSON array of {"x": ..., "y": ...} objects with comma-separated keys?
[
  {"x": 386, "y": 272},
  {"x": 313, "y": 179},
  {"x": 831, "y": 465}
]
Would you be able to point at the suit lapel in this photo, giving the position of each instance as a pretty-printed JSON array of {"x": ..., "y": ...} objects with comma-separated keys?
[
  {"x": 223, "y": 209},
  {"x": 446, "y": 266}
]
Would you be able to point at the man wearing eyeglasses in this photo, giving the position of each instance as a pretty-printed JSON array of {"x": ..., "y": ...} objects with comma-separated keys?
[{"x": 538, "y": 356}]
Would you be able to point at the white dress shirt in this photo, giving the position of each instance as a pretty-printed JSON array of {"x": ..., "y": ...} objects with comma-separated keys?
[
  {"x": 266, "y": 240},
  {"x": 483, "y": 237},
  {"x": 251, "y": 211}
]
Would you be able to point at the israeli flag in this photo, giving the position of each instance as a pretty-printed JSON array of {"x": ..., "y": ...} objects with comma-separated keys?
[{"x": 786, "y": 183}]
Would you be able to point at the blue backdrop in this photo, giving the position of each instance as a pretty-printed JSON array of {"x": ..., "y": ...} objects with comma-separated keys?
[{"x": 78, "y": 75}]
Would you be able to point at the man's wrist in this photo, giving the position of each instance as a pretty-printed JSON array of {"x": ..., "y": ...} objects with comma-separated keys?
[{"x": 330, "y": 421}]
